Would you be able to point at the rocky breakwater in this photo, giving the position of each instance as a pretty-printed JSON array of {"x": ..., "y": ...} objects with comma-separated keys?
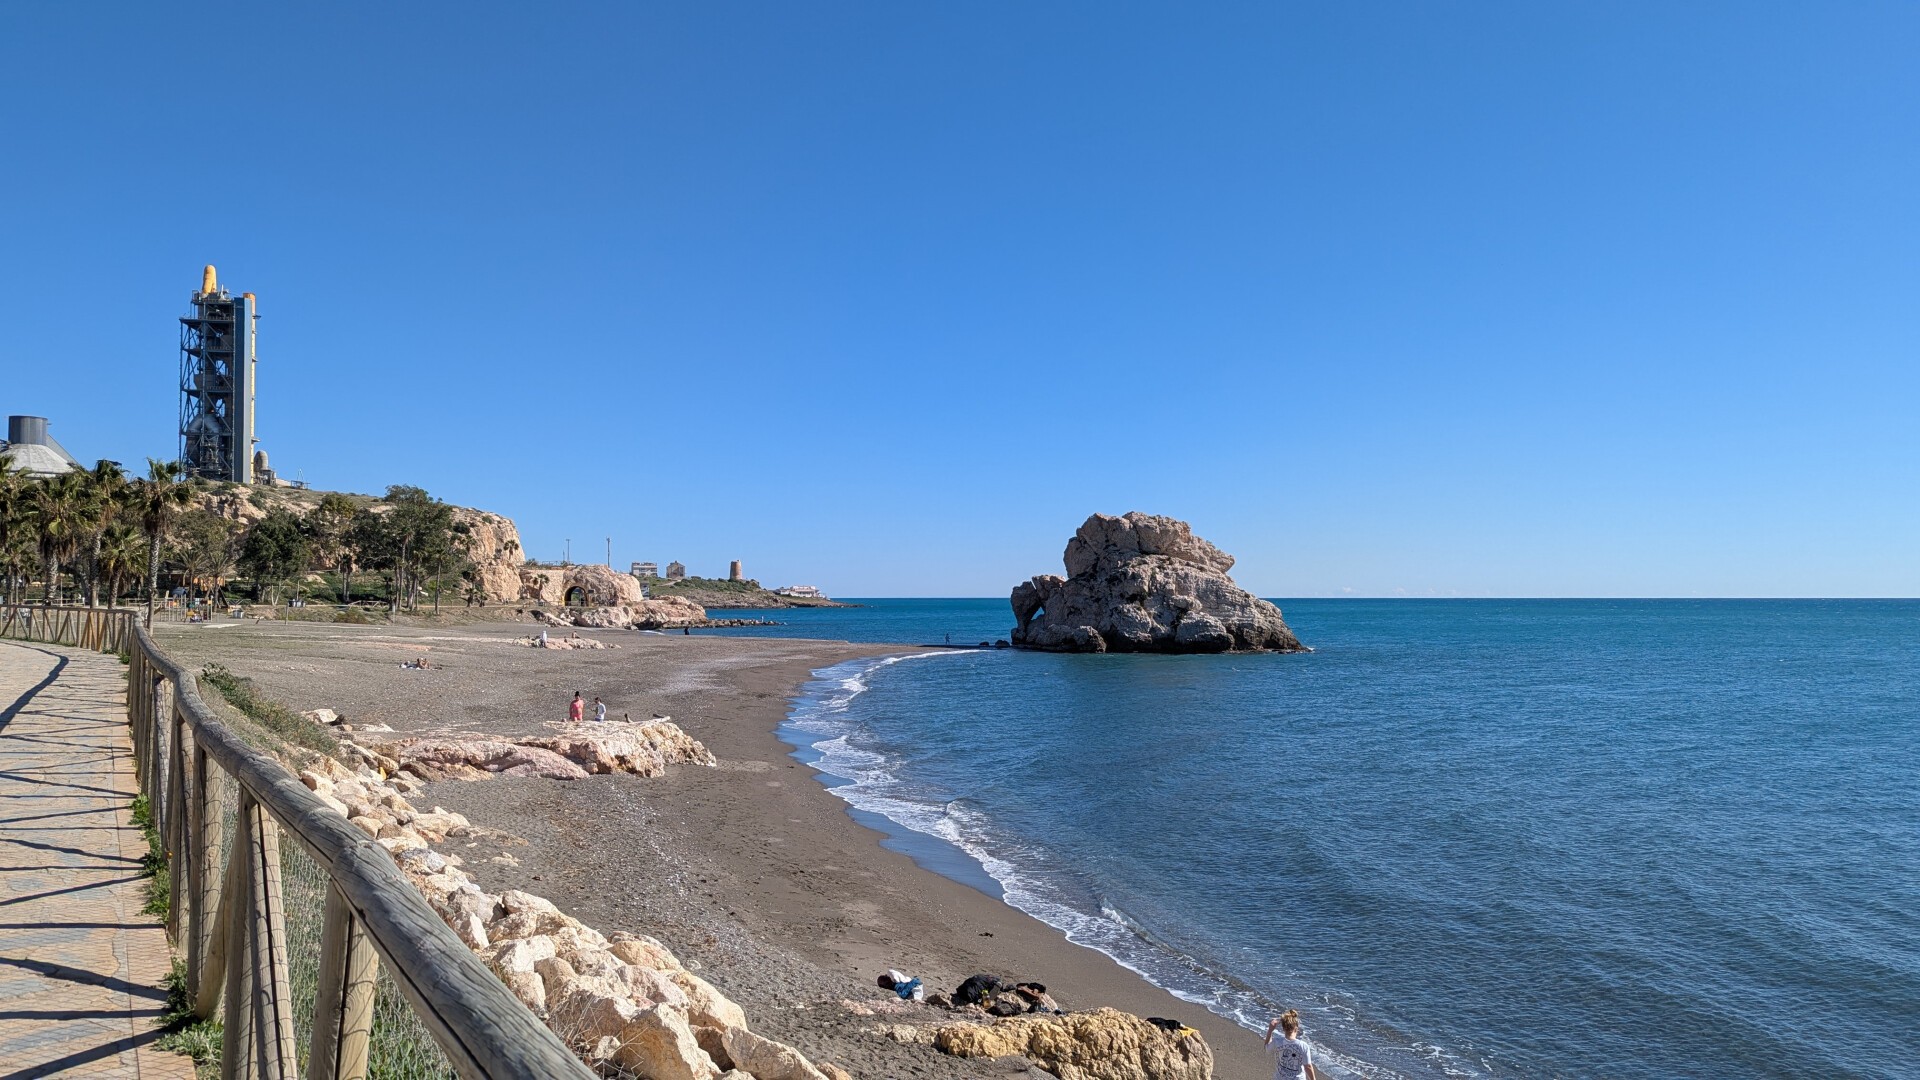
[
  {"x": 1145, "y": 583},
  {"x": 624, "y": 1001}
]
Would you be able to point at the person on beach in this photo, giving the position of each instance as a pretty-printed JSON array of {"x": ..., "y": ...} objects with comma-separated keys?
[
  {"x": 1293, "y": 1060},
  {"x": 575, "y": 708},
  {"x": 599, "y": 711}
]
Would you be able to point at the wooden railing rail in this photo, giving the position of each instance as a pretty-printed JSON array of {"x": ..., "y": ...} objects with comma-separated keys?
[{"x": 227, "y": 916}]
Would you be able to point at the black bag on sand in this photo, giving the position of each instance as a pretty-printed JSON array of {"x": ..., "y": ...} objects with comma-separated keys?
[{"x": 978, "y": 989}]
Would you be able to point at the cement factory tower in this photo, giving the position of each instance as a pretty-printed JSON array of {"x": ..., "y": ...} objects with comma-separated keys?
[{"x": 216, "y": 384}]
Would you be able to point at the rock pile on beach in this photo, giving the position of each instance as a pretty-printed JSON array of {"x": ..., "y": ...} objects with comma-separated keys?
[
  {"x": 1102, "y": 1044},
  {"x": 623, "y": 1001},
  {"x": 563, "y": 643},
  {"x": 641, "y": 748},
  {"x": 1144, "y": 583}
]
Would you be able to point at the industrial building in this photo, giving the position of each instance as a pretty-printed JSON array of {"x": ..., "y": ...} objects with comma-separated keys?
[
  {"x": 217, "y": 384},
  {"x": 29, "y": 449}
]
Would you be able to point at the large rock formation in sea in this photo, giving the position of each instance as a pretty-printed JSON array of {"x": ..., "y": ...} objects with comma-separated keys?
[{"x": 1144, "y": 583}]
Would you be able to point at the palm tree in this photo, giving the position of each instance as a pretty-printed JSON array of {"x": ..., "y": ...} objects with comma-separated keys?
[
  {"x": 13, "y": 529},
  {"x": 123, "y": 555},
  {"x": 158, "y": 500},
  {"x": 106, "y": 488},
  {"x": 58, "y": 505}
]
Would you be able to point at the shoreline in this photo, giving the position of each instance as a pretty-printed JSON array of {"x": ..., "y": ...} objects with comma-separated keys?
[{"x": 756, "y": 869}]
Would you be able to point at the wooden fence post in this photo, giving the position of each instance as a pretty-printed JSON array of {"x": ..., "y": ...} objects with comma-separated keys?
[
  {"x": 343, "y": 1006},
  {"x": 203, "y": 875},
  {"x": 273, "y": 1034},
  {"x": 219, "y": 900},
  {"x": 236, "y": 1035},
  {"x": 175, "y": 833}
]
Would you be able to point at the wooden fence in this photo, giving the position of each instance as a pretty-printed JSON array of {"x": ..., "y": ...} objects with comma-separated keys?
[{"x": 228, "y": 915}]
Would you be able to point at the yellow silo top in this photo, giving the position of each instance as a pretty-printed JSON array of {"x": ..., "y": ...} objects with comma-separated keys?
[{"x": 208, "y": 280}]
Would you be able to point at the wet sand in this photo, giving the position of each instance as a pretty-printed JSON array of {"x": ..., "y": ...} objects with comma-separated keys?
[{"x": 753, "y": 869}]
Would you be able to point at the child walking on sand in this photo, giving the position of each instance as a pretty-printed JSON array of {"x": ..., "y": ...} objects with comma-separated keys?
[
  {"x": 575, "y": 708},
  {"x": 599, "y": 711}
]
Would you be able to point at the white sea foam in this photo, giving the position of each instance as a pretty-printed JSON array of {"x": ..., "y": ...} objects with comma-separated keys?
[{"x": 1029, "y": 878}]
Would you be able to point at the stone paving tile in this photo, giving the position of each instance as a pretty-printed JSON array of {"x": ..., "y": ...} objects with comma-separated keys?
[{"x": 80, "y": 967}]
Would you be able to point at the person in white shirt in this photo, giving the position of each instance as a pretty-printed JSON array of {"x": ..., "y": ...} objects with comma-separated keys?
[
  {"x": 599, "y": 710},
  {"x": 1293, "y": 1061}
]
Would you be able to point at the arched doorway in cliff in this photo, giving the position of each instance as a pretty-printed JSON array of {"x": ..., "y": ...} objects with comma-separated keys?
[{"x": 577, "y": 596}]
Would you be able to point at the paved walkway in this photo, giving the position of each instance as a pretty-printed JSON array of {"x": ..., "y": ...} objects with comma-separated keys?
[{"x": 80, "y": 967}]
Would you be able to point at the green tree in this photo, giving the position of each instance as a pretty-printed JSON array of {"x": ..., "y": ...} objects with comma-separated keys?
[
  {"x": 327, "y": 529},
  {"x": 158, "y": 500},
  {"x": 420, "y": 528},
  {"x": 274, "y": 550},
  {"x": 370, "y": 543},
  {"x": 202, "y": 543}
]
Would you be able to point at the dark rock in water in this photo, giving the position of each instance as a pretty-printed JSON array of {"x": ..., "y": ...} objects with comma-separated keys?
[{"x": 1143, "y": 583}]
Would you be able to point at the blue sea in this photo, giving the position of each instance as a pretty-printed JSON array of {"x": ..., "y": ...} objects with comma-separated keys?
[{"x": 1659, "y": 838}]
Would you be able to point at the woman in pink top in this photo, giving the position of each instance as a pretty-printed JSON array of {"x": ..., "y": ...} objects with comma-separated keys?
[{"x": 577, "y": 708}]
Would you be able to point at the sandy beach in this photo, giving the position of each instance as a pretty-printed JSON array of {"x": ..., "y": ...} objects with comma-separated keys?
[{"x": 753, "y": 868}]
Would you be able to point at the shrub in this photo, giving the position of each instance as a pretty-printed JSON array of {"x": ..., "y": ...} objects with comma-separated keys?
[{"x": 269, "y": 714}]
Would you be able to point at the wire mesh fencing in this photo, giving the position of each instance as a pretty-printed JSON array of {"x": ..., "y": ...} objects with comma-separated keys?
[{"x": 299, "y": 933}]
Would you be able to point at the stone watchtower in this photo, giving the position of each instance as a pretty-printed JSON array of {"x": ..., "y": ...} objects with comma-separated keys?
[
  {"x": 734, "y": 573},
  {"x": 676, "y": 571}
]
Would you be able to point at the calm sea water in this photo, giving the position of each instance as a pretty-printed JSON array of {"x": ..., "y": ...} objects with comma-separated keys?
[{"x": 1465, "y": 838}]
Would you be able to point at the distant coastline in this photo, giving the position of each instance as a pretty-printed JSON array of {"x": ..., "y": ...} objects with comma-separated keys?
[{"x": 713, "y": 593}]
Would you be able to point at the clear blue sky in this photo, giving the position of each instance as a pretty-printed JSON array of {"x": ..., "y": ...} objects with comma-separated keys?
[{"x": 1480, "y": 299}]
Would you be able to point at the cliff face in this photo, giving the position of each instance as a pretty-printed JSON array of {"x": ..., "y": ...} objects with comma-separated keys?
[
  {"x": 496, "y": 553},
  {"x": 496, "y": 550},
  {"x": 1144, "y": 583},
  {"x": 593, "y": 585}
]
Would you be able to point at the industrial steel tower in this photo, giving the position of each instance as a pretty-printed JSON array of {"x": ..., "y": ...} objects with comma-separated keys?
[{"x": 216, "y": 384}]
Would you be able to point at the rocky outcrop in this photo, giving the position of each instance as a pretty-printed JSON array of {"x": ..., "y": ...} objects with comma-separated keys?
[
  {"x": 1104, "y": 1044},
  {"x": 647, "y": 614},
  {"x": 495, "y": 546},
  {"x": 588, "y": 585},
  {"x": 1143, "y": 583},
  {"x": 641, "y": 748}
]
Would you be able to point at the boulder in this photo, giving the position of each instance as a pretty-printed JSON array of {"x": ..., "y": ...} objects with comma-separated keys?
[
  {"x": 587, "y": 1008},
  {"x": 660, "y": 1045},
  {"x": 528, "y": 987},
  {"x": 643, "y": 951},
  {"x": 765, "y": 1059},
  {"x": 521, "y": 955},
  {"x": 707, "y": 1006},
  {"x": 1104, "y": 1044},
  {"x": 1142, "y": 583}
]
